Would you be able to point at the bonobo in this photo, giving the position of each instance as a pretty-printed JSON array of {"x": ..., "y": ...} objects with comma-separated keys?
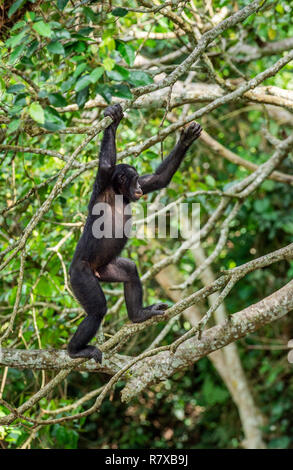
[{"x": 96, "y": 258}]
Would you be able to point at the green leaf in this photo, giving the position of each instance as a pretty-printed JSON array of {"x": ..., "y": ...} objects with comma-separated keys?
[
  {"x": 18, "y": 25},
  {"x": 122, "y": 91},
  {"x": 108, "y": 63},
  {"x": 82, "y": 83},
  {"x": 16, "y": 53},
  {"x": 37, "y": 113},
  {"x": 105, "y": 91},
  {"x": 210, "y": 181},
  {"x": 118, "y": 73},
  {"x": 79, "y": 69},
  {"x": 67, "y": 84},
  {"x": 43, "y": 287},
  {"x": 89, "y": 14},
  {"x": 57, "y": 100},
  {"x": 13, "y": 126},
  {"x": 20, "y": 99},
  {"x": 43, "y": 29},
  {"x": 30, "y": 15},
  {"x": 119, "y": 12},
  {"x": 79, "y": 46},
  {"x": 56, "y": 48},
  {"x": 127, "y": 52},
  {"x": 288, "y": 227},
  {"x": 43, "y": 93},
  {"x": 82, "y": 96},
  {"x": 261, "y": 205},
  {"x": 14, "y": 89},
  {"x": 2, "y": 87},
  {"x": 15, "y": 40},
  {"x": 84, "y": 32},
  {"x": 15, "y": 6},
  {"x": 272, "y": 33},
  {"x": 280, "y": 9},
  {"x": 63, "y": 34},
  {"x": 53, "y": 121},
  {"x": 61, "y": 4},
  {"x": 281, "y": 442},
  {"x": 96, "y": 74},
  {"x": 32, "y": 48},
  {"x": 77, "y": 58},
  {"x": 212, "y": 393},
  {"x": 108, "y": 42},
  {"x": 138, "y": 78}
]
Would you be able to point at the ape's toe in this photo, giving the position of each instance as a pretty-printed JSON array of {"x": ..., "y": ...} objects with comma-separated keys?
[
  {"x": 97, "y": 356},
  {"x": 158, "y": 309},
  {"x": 161, "y": 306},
  {"x": 158, "y": 312},
  {"x": 194, "y": 127}
]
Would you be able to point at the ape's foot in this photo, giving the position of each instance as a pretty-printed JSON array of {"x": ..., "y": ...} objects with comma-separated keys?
[
  {"x": 89, "y": 352},
  {"x": 190, "y": 133},
  {"x": 149, "y": 312},
  {"x": 115, "y": 112}
]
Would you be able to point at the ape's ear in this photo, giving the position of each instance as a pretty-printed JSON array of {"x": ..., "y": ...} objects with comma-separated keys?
[{"x": 121, "y": 178}]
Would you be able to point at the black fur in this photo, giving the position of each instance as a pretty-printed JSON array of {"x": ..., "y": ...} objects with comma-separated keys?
[{"x": 96, "y": 259}]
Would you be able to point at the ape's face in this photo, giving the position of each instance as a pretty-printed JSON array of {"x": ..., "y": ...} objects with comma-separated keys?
[{"x": 125, "y": 182}]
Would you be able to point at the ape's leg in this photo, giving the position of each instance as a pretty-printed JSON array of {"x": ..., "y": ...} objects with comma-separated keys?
[
  {"x": 124, "y": 270},
  {"x": 89, "y": 293}
]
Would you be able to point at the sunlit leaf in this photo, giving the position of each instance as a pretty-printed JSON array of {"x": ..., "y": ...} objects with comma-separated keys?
[
  {"x": 96, "y": 74},
  {"x": 108, "y": 63},
  {"x": 43, "y": 29},
  {"x": 2, "y": 86},
  {"x": 127, "y": 52},
  {"x": 82, "y": 83},
  {"x": 37, "y": 113}
]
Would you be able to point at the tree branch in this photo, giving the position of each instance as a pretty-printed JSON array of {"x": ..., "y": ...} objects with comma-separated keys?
[{"x": 163, "y": 365}]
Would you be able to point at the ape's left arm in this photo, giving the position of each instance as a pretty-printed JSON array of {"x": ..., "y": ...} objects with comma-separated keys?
[{"x": 165, "y": 171}]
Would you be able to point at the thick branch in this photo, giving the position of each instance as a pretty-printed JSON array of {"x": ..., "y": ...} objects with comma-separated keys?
[
  {"x": 165, "y": 364},
  {"x": 193, "y": 93},
  {"x": 248, "y": 53},
  {"x": 57, "y": 359}
]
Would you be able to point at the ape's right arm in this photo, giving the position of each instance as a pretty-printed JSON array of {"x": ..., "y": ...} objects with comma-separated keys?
[{"x": 107, "y": 157}]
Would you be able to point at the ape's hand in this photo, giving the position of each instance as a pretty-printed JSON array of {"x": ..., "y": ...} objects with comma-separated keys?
[
  {"x": 190, "y": 134},
  {"x": 115, "y": 112}
]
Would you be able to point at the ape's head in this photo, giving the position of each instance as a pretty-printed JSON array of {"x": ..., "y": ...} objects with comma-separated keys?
[{"x": 125, "y": 182}]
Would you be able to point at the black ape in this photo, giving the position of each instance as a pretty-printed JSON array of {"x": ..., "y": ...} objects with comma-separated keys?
[{"x": 96, "y": 259}]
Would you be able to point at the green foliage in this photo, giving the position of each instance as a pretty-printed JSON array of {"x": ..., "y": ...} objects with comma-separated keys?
[
  {"x": 72, "y": 55},
  {"x": 119, "y": 12},
  {"x": 37, "y": 113},
  {"x": 15, "y": 6}
]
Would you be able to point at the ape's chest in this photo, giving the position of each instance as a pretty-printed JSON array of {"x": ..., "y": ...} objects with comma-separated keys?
[{"x": 112, "y": 216}]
